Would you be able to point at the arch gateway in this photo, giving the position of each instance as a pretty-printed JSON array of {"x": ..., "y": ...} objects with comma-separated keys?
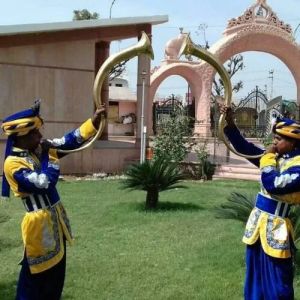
[{"x": 257, "y": 29}]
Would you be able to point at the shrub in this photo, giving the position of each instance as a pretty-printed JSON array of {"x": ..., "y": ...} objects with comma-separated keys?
[
  {"x": 153, "y": 177},
  {"x": 173, "y": 139},
  {"x": 206, "y": 169}
]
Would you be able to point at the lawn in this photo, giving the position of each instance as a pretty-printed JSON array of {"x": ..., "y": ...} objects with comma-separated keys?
[{"x": 122, "y": 252}]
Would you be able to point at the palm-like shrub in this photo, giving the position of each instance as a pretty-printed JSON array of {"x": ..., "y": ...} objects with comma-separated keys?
[
  {"x": 153, "y": 177},
  {"x": 238, "y": 207}
]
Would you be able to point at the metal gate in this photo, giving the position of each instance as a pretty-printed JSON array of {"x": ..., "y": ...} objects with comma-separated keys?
[{"x": 170, "y": 107}]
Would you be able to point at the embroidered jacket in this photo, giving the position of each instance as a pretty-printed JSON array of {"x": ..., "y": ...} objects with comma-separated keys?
[
  {"x": 33, "y": 178},
  {"x": 280, "y": 180}
]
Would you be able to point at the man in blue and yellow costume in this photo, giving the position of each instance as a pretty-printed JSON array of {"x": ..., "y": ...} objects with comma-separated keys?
[
  {"x": 31, "y": 171},
  {"x": 269, "y": 233}
]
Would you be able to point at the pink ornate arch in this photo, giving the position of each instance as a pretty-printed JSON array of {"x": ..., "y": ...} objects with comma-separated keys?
[
  {"x": 197, "y": 75},
  {"x": 257, "y": 29}
]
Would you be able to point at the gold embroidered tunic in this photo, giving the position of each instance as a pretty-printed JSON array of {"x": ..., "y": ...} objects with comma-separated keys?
[
  {"x": 33, "y": 178},
  {"x": 280, "y": 188}
]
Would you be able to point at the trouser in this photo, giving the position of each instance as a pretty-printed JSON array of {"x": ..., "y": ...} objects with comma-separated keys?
[
  {"x": 47, "y": 285},
  {"x": 267, "y": 277}
]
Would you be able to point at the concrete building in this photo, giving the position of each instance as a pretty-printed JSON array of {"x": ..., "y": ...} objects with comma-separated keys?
[
  {"x": 122, "y": 109},
  {"x": 57, "y": 62}
]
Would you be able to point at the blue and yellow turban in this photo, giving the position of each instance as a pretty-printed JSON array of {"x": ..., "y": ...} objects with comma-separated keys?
[
  {"x": 19, "y": 124},
  {"x": 287, "y": 127}
]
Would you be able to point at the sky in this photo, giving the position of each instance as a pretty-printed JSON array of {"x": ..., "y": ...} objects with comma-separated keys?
[{"x": 189, "y": 14}]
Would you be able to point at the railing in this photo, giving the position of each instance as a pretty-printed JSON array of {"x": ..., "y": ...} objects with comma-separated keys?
[{"x": 259, "y": 131}]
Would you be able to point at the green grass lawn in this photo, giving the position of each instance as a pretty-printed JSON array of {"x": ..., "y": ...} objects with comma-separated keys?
[{"x": 122, "y": 252}]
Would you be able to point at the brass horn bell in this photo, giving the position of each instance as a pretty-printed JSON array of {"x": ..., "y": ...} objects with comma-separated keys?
[{"x": 189, "y": 48}]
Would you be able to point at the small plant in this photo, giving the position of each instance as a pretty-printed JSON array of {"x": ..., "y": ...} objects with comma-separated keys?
[
  {"x": 153, "y": 177},
  {"x": 206, "y": 169}
]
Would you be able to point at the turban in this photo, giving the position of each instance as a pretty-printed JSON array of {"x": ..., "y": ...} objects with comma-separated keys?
[
  {"x": 19, "y": 124},
  {"x": 287, "y": 127}
]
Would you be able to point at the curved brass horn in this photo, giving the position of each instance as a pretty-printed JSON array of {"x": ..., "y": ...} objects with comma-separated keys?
[
  {"x": 189, "y": 48},
  {"x": 142, "y": 47}
]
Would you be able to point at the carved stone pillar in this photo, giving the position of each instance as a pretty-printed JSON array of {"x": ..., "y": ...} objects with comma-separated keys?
[{"x": 202, "y": 109}]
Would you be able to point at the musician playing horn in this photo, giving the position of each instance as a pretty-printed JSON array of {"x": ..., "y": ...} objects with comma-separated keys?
[
  {"x": 31, "y": 171},
  {"x": 269, "y": 232}
]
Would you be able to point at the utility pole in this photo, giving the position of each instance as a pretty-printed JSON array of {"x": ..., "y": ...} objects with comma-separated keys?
[
  {"x": 143, "y": 127},
  {"x": 112, "y": 3},
  {"x": 271, "y": 76}
]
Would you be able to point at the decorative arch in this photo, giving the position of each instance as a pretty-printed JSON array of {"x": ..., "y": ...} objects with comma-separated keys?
[
  {"x": 258, "y": 39},
  {"x": 184, "y": 70},
  {"x": 257, "y": 29},
  {"x": 197, "y": 75}
]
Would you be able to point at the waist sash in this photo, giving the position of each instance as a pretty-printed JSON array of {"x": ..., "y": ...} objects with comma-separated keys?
[
  {"x": 35, "y": 202},
  {"x": 271, "y": 206}
]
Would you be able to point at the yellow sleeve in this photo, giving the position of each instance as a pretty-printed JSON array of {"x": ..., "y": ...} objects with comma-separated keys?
[
  {"x": 87, "y": 129},
  {"x": 12, "y": 165},
  {"x": 268, "y": 160}
]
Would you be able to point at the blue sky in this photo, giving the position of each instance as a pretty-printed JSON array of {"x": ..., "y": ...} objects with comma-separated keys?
[{"x": 188, "y": 14}]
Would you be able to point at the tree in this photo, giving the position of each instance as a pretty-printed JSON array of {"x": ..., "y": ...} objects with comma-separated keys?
[
  {"x": 153, "y": 177},
  {"x": 234, "y": 64},
  {"x": 84, "y": 14},
  {"x": 117, "y": 70}
]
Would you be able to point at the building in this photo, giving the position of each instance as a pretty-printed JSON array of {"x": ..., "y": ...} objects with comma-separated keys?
[
  {"x": 58, "y": 62},
  {"x": 122, "y": 109}
]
